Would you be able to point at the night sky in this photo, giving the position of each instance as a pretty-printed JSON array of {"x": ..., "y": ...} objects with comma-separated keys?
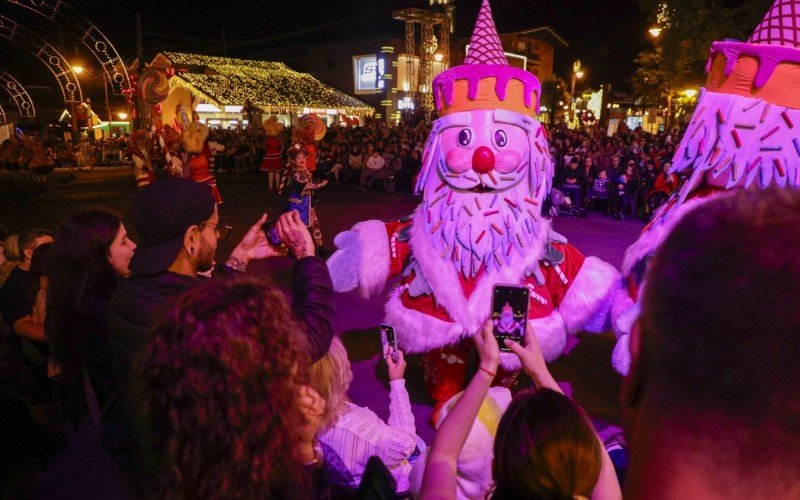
[{"x": 606, "y": 35}]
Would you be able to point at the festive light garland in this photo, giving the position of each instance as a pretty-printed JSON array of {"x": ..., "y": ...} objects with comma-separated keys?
[{"x": 270, "y": 86}]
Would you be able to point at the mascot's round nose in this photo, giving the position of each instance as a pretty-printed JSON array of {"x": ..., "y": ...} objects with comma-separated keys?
[{"x": 482, "y": 160}]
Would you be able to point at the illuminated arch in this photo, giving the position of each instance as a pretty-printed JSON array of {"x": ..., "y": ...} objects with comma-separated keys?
[
  {"x": 20, "y": 96},
  {"x": 91, "y": 36},
  {"x": 46, "y": 53},
  {"x": 3, "y": 114}
]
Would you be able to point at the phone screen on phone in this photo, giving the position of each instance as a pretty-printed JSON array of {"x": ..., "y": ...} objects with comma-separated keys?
[
  {"x": 509, "y": 313},
  {"x": 388, "y": 342}
]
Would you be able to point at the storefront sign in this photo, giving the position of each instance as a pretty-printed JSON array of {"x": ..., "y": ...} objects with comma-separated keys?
[{"x": 367, "y": 74}]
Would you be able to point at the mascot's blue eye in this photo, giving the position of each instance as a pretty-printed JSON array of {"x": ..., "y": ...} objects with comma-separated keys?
[
  {"x": 500, "y": 138},
  {"x": 464, "y": 136}
]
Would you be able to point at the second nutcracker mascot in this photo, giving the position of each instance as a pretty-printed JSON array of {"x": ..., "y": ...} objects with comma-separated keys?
[{"x": 486, "y": 171}]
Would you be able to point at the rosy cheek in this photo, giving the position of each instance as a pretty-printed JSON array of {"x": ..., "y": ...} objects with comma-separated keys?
[
  {"x": 507, "y": 162},
  {"x": 458, "y": 160}
]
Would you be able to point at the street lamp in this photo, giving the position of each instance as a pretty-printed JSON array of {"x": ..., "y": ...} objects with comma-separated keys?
[
  {"x": 690, "y": 93},
  {"x": 577, "y": 74},
  {"x": 655, "y": 31},
  {"x": 123, "y": 115},
  {"x": 78, "y": 69}
]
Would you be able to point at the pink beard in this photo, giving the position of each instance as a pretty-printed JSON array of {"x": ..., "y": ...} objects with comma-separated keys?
[{"x": 494, "y": 228}]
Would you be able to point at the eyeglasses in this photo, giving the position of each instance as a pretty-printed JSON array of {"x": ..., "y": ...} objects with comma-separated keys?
[{"x": 222, "y": 229}]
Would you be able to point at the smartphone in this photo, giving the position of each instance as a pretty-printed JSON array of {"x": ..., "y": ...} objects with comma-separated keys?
[
  {"x": 388, "y": 342},
  {"x": 270, "y": 228},
  {"x": 509, "y": 313}
]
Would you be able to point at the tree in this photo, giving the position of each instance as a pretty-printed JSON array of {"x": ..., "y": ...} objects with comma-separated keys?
[
  {"x": 554, "y": 90},
  {"x": 691, "y": 26}
]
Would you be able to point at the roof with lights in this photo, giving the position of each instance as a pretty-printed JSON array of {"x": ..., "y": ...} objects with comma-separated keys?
[{"x": 271, "y": 86}]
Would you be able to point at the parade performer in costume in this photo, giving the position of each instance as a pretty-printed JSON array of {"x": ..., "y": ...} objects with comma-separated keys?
[
  {"x": 193, "y": 137},
  {"x": 301, "y": 188},
  {"x": 40, "y": 164},
  {"x": 273, "y": 151},
  {"x": 140, "y": 156},
  {"x": 170, "y": 141},
  {"x": 85, "y": 159},
  {"x": 310, "y": 128},
  {"x": 486, "y": 171},
  {"x": 745, "y": 133}
]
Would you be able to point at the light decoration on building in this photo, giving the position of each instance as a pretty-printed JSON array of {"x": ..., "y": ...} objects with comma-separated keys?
[{"x": 273, "y": 87}]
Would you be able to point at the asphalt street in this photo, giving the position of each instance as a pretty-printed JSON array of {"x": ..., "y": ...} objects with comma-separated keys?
[{"x": 584, "y": 371}]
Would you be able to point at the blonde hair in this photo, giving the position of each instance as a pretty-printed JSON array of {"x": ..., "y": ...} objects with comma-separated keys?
[{"x": 331, "y": 377}]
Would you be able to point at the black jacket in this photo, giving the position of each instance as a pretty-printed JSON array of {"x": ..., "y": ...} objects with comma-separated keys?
[{"x": 137, "y": 303}]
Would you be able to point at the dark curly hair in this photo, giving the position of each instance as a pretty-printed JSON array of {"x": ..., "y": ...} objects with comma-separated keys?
[
  {"x": 218, "y": 386},
  {"x": 545, "y": 448}
]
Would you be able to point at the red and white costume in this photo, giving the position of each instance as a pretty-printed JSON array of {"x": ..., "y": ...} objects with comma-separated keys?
[
  {"x": 197, "y": 165},
  {"x": 273, "y": 153},
  {"x": 486, "y": 170},
  {"x": 745, "y": 133}
]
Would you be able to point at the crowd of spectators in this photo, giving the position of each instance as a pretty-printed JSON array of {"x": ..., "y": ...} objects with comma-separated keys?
[
  {"x": 365, "y": 156},
  {"x": 211, "y": 385},
  {"x": 627, "y": 171}
]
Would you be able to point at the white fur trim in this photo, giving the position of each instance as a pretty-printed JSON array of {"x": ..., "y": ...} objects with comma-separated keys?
[
  {"x": 443, "y": 277},
  {"x": 551, "y": 333},
  {"x": 552, "y": 336},
  {"x": 621, "y": 357},
  {"x": 419, "y": 332},
  {"x": 374, "y": 269},
  {"x": 650, "y": 240},
  {"x": 590, "y": 294},
  {"x": 624, "y": 312}
]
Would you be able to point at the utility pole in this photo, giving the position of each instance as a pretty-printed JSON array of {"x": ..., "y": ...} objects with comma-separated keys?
[
  {"x": 108, "y": 105},
  {"x": 138, "y": 122}
]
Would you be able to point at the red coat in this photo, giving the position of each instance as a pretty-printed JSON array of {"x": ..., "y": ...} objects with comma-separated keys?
[
  {"x": 273, "y": 151},
  {"x": 570, "y": 293},
  {"x": 198, "y": 172}
]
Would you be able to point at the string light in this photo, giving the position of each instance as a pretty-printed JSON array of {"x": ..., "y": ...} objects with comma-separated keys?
[{"x": 271, "y": 86}]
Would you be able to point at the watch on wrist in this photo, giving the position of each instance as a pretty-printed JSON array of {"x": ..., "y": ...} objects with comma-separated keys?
[{"x": 236, "y": 264}]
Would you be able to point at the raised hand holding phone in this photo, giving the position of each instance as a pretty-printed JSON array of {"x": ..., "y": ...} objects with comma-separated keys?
[
  {"x": 532, "y": 360},
  {"x": 509, "y": 313},
  {"x": 397, "y": 365},
  {"x": 388, "y": 342}
]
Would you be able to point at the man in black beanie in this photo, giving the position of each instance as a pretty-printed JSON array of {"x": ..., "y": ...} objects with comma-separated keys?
[{"x": 178, "y": 227}]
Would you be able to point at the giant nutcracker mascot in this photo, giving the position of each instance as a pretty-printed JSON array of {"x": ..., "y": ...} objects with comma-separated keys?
[
  {"x": 744, "y": 134},
  {"x": 486, "y": 170},
  {"x": 272, "y": 163}
]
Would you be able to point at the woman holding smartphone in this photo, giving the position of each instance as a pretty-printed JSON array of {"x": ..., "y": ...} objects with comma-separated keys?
[
  {"x": 545, "y": 446},
  {"x": 353, "y": 434}
]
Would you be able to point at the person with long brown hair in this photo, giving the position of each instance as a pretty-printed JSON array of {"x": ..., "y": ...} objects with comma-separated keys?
[
  {"x": 89, "y": 258},
  {"x": 224, "y": 406},
  {"x": 545, "y": 445}
]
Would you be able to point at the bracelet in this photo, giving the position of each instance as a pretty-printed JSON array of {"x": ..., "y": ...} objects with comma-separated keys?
[
  {"x": 236, "y": 264},
  {"x": 487, "y": 371}
]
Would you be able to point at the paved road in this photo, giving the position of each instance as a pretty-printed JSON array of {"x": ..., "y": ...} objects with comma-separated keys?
[{"x": 585, "y": 371}]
